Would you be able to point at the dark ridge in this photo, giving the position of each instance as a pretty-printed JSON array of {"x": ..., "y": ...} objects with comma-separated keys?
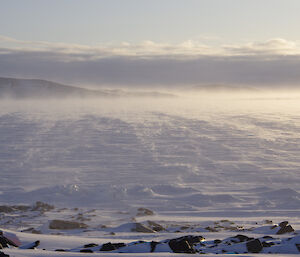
[{"x": 36, "y": 88}]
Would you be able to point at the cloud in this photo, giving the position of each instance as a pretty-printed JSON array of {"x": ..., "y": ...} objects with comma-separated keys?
[
  {"x": 276, "y": 46},
  {"x": 273, "y": 62},
  {"x": 144, "y": 49},
  {"x": 188, "y": 48}
]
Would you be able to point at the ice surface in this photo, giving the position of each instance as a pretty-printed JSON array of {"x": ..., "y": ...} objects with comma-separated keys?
[{"x": 228, "y": 155}]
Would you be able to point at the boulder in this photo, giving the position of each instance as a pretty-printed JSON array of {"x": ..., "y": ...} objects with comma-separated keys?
[
  {"x": 144, "y": 212},
  {"x": 65, "y": 224},
  {"x": 155, "y": 226},
  {"x": 284, "y": 228},
  {"x": 5, "y": 242},
  {"x": 86, "y": 251},
  {"x": 42, "y": 207},
  {"x": 283, "y": 224},
  {"x": 111, "y": 246},
  {"x": 153, "y": 245},
  {"x": 181, "y": 245},
  {"x": 32, "y": 245},
  {"x": 90, "y": 245},
  {"x": 191, "y": 239},
  {"x": 217, "y": 241},
  {"x": 241, "y": 238},
  {"x": 138, "y": 227},
  {"x": 14, "y": 208},
  {"x": 254, "y": 246}
]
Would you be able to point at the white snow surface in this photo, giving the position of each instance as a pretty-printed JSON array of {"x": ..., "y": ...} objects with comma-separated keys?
[{"x": 189, "y": 159}]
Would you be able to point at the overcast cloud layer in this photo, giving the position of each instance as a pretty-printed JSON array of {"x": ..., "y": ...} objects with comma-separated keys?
[{"x": 274, "y": 62}]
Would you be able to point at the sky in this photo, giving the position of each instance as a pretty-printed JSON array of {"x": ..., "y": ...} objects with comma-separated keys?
[{"x": 157, "y": 42}]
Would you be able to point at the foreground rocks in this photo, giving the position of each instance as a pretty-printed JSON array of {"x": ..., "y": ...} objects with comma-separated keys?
[
  {"x": 238, "y": 244},
  {"x": 191, "y": 244}
]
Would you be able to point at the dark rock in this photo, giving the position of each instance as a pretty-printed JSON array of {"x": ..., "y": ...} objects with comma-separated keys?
[
  {"x": 5, "y": 242},
  {"x": 86, "y": 251},
  {"x": 268, "y": 221},
  {"x": 60, "y": 250},
  {"x": 6, "y": 209},
  {"x": 193, "y": 239},
  {"x": 217, "y": 241},
  {"x": 21, "y": 207},
  {"x": 34, "y": 245},
  {"x": 155, "y": 226},
  {"x": 190, "y": 239},
  {"x": 181, "y": 245},
  {"x": 42, "y": 207},
  {"x": 211, "y": 229},
  {"x": 298, "y": 247},
  {"x": 144, "y": 212},
  {"x": 119, "y": 245},
  {"x": 13, "y": 208},
  {"x": 241, "y": 238},
  {"x": 65, "y": 224},
  {"x": 30, "y": 245},
  {"x": 142, "y": 228},
  {"x": 226, "y": 221},
  {"x": 268, "y": 237},
  {"x": 153, "y": 245},
  {"x": 283, "y": 224},
  {"x": 110, "y": 247},
  {"x": 90, "y": 245},
  {"x": 254, "y": 246},
  {"x": 185, "y": 227},
  {"x": 2, "y": 254},
  {"x": 32, "y": 230},
  {"x": 284, "y": 230}
]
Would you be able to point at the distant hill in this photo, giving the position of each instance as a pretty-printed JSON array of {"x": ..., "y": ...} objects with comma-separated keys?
[{"x": 37, "y": 88}]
